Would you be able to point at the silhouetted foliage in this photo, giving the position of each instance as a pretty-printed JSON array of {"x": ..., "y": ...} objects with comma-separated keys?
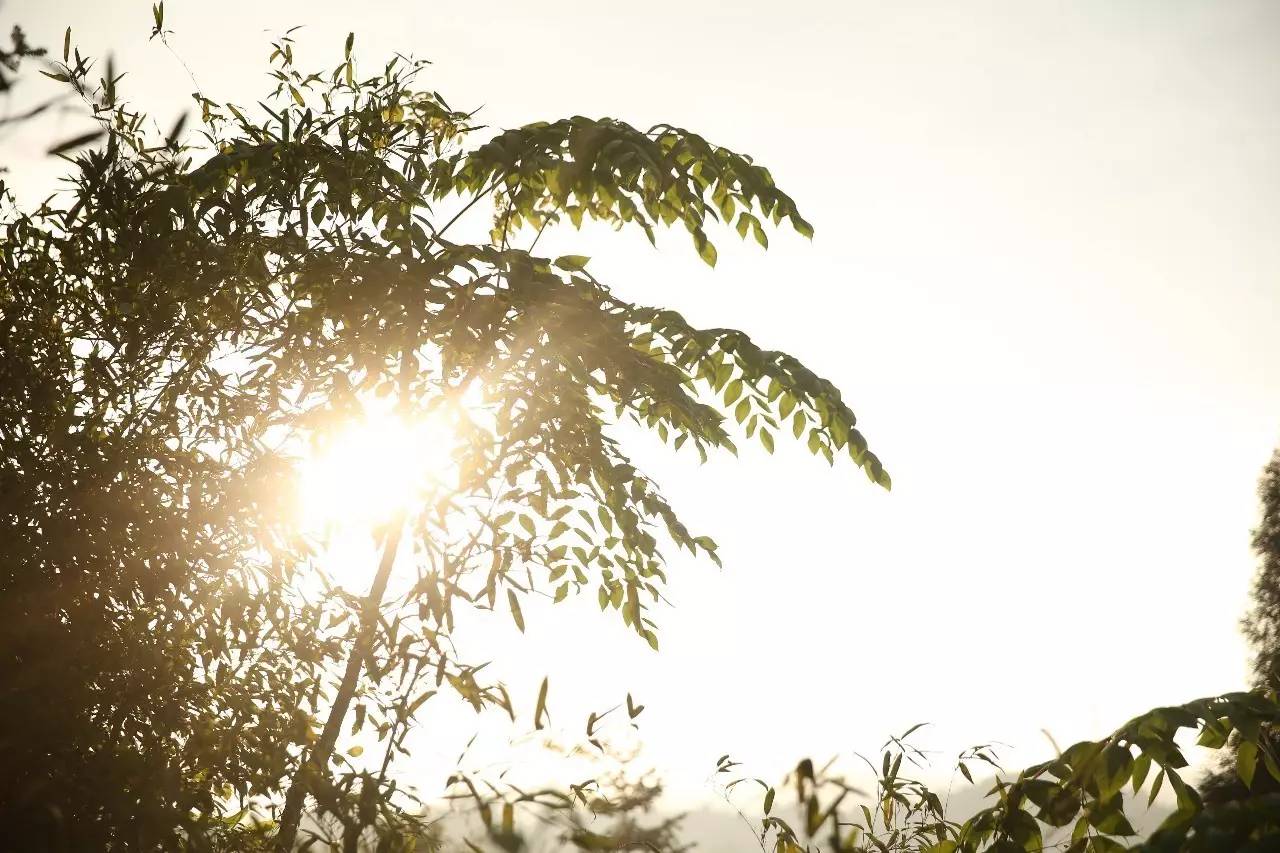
[{"x": 177, "y": 332}]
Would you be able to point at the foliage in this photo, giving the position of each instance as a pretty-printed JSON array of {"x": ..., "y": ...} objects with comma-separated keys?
[
  {"x": 194, "y": 312},
  {"x": 1262, "y": 626},
  {"x": 198, "y": 311},
  {"x": 1262, "y": 629},
  {"x": 612, "y": 806},
  {"x": 11, "y": 57},
  {"x": 1075, "y": 802}
]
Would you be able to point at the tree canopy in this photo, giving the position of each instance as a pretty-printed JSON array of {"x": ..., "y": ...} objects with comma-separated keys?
[{"x": 194, "y": 314}]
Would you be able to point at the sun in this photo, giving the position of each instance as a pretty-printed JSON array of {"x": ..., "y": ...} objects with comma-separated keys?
[{"x": 370, "y": 468}]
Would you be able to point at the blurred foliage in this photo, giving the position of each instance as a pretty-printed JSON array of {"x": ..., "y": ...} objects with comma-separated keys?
[{"x": 12, "y": 56}]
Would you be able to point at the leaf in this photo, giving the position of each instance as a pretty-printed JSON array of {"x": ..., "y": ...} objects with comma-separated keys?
[
  {"x": 418, "y": 703},
  {"x": 768, "y": 801},
  {"x": 707, "y": 252},
  {"x": 571, "y": 263},
  {"x": 766, "y": 438},
  {"x": 355, "y": 751},
  {"x": 911, "y": 731},
  {"x": 515, "y": 609},
  {"x": 75, "y": 142},
  {"x": 1247, "y": 762},
  {"x": 1273, "y": 767},
  {"x": 540, "y": 710},
  {"x": 1155, "y": 788},
  {"x": 732, "y": 391},
  {"x": 1141, "y": 766},
  {"x": 1113, "y": 770}
]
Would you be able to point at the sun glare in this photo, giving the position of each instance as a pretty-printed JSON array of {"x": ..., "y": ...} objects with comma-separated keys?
[{"x": 371, "y": 468}]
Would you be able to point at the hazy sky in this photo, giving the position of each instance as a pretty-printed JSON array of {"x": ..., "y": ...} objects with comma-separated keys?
[{"x": 1045, "y": 274}]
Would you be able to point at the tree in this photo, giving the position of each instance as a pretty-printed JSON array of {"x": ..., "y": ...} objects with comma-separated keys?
[
  {"x": 139, "y": 679},
  {"x": 1262, "y": 625},
  {"x": 1262, "y": 629},
  {"x": 186, "y": 321}
]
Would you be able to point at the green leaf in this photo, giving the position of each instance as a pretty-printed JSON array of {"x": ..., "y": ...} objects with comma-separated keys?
[
  {"x": 1273, "y": 767},
  {"x": 571, "y": 263},
  {"x": 707, "y": 252},
  {"x": 1113, "y": 770},
  {"x": 1247, "y": 762},
  {"x": 1155, "y": 788},
  {"x": 1141, "y": 766}
]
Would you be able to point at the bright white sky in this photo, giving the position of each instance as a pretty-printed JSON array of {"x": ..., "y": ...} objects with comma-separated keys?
[{"x": 1046, "y": 275}]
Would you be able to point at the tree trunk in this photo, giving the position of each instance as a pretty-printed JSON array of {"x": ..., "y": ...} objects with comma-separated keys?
[{"x": 318, "y": 760}]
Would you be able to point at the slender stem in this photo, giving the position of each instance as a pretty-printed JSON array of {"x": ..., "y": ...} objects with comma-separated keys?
[
  {"x": 370, "y": 615},
  {"x": 318, "y": 760}
]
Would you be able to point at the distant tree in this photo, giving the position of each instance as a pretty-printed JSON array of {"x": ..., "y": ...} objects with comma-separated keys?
[
  {"x": 183, "y": 323},
  {"x": 1262, "y": 625},
  {"x": 1262, "y": 628}
]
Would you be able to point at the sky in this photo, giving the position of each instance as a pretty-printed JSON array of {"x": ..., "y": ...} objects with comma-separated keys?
[{"x": 1045, "y": 276}]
